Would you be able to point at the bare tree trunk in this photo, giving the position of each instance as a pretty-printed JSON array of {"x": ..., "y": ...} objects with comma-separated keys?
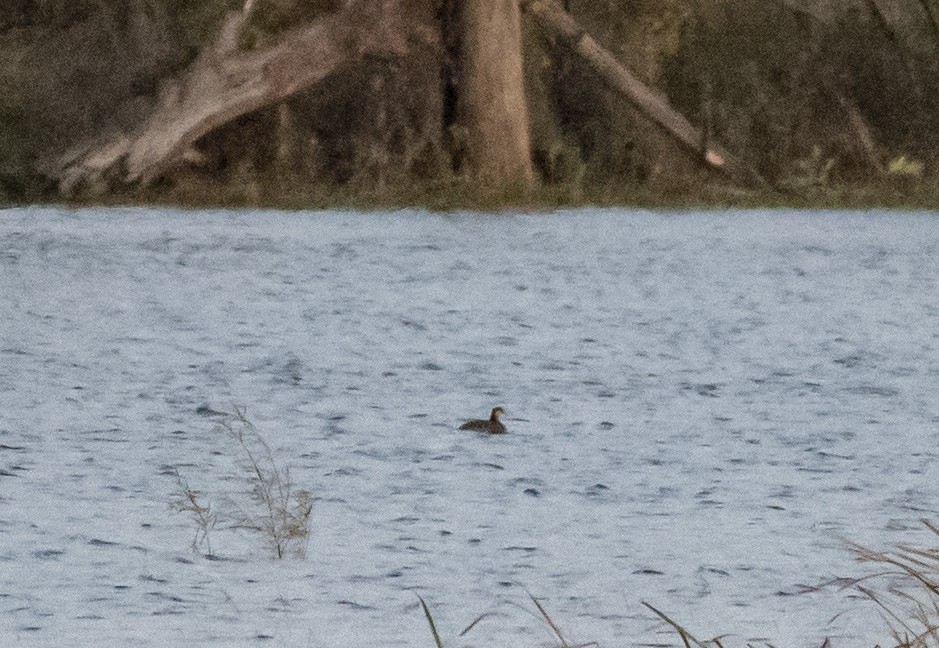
[
  {"x": 225, "y": 83},
  {"x": 491, "y": 92}
]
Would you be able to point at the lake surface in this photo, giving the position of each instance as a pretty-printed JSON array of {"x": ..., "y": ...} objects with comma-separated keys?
[{"x": 701, "y": 406}]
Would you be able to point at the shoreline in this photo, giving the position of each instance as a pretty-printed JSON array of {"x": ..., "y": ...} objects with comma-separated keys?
[{"x": 460, "y": 196}]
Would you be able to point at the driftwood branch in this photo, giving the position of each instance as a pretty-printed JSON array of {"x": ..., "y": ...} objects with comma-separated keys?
[
  {"x": 552, "y": 18},
  {"x": 225, "y": 83}
]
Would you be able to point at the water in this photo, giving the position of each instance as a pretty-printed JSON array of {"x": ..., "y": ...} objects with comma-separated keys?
[{"x": 700, "y": 406}]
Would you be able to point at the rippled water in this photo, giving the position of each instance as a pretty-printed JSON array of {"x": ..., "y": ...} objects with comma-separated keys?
[{"x": 700, "y": 406}]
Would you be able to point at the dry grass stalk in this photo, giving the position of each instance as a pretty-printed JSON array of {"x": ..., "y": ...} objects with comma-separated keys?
[
  {"x": 273, "y": 506},
  {"x": 280, "y": 511},
  {"x": 544, "y": 617},
  {"x": 204, "y": 517},
  {"x": 686, "y": 637},
  {"x": 909, "y": 603},
  {"x": 430, "y": 622}
]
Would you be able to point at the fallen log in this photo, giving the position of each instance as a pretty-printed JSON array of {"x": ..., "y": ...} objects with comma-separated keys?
[
  {"x": 552, "y": 18},
  {"x": 225, "y": 83}
]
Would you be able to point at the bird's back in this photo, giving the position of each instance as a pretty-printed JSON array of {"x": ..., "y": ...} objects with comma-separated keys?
[{"x": 492, "y": 427}]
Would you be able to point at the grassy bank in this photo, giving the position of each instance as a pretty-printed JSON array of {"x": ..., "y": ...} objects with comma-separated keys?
[{"x": 463, "y": 195}]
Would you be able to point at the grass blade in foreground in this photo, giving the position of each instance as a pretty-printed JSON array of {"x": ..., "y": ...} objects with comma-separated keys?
[
  {"x": 684, "y": 634},
  {"x": 430, "y": 620},
  {"x": 554, "y": 627},
  {"x": 475, "y": 621},
  {"x": 548, "y": 620}
]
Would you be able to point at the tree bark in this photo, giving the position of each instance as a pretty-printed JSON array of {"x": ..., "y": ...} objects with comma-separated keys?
[
  {"x": 225, "y": 83},
  {"x": 491, "y": 92}
]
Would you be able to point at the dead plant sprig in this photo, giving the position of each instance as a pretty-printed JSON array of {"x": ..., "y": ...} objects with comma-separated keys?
[
  {"x": 909, "y": 602},
  {"x": 281, "y": 511},
  {"x": 272, "y": 506},
  {"x": 203, "y": 516}
]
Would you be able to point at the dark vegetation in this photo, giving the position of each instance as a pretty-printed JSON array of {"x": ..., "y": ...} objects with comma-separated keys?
[
  {"x": 836, "y": 107},
  {"x": 780, "y": 85}
]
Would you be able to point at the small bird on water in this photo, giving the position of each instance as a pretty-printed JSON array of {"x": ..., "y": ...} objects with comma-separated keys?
[{"x": 492, "y": 426}]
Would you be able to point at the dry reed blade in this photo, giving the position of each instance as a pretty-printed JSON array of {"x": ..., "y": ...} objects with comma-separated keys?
[
  {"x": 548, "y": 620},
  {"x": 717, "y": 640},
  {"x": 475, "y": 621},
  {"x": 913, "y": 573},
  {"x": 886, "y": 609},
  {"x": 430, "y": 621},
  {"x": 684, "y": 634},
  {"x": 921, "y": 557}
]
